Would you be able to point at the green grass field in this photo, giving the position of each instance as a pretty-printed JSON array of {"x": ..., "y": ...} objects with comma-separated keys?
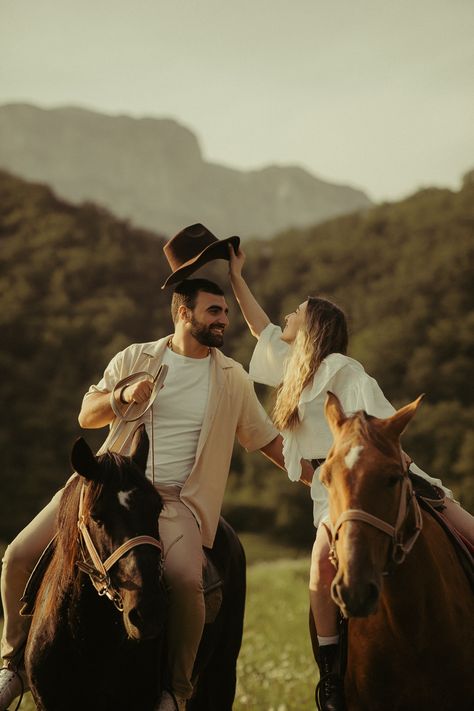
[{"x": 276, "y": 671}]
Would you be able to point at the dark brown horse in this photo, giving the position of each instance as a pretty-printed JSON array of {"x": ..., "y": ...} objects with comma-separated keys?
[
  {"x": 98, "y": 633},
  {"x": 399, "y": 581}
]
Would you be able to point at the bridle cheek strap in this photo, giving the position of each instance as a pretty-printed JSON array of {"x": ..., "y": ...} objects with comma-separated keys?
[
  {"x": 400, "y": 549},
  {"x": 98, "y": 571}
]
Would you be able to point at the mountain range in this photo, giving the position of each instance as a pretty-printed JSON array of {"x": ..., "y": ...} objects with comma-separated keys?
[{"x": 152, "y": 172}]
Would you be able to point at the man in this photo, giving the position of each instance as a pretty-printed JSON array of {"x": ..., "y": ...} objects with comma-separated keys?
[{"x": 207, "y": 399}]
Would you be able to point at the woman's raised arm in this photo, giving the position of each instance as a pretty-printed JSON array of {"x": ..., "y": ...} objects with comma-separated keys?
[{"x": 252, "y": 312}]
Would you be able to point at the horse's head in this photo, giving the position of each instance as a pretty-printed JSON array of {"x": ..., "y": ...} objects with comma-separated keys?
[
  {"x": 369, "y": 499},
  {"x": 118, "y": 520}
]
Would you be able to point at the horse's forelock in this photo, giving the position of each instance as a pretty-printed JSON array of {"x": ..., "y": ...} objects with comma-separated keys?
[
  {"x": 366, "y": 430},
  {"x": 119, "y": 471}
]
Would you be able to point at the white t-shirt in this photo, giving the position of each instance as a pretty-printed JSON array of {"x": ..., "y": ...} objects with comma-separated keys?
[
  {"x": 312, "y": 439},
  {"x": 178, "y": 414}
]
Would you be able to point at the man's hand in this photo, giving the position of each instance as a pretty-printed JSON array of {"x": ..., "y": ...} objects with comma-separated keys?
[
  {"x": 137, "y": 392},
  {"x": 307, "y": 472}
]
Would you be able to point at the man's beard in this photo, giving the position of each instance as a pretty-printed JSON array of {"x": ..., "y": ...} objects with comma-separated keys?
[{"x": 204, "y": 335}]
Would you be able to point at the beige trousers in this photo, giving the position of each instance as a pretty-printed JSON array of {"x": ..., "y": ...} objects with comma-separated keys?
[
  {"x": 19, "y": 560},
  {"x": 182, "y": 545},
  {"x": 181, "y": 539}
]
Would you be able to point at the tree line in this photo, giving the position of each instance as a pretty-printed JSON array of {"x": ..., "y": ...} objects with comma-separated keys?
[{"x": 77, "y": 285}]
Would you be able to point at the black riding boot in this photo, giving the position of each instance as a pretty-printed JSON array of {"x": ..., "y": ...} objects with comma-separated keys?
[{"x": 330, "y": 689}]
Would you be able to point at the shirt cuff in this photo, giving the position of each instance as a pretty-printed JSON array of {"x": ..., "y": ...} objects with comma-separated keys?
[
  {"x": 292, "y": 456},
  {"x": 267, "y": 362}
]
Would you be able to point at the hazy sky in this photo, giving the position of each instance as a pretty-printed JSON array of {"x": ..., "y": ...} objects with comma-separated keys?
[{"x": 372, "y": 93}]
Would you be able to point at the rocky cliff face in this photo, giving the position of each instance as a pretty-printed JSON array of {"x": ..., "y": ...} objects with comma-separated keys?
[{"x": 152, "y": 172}]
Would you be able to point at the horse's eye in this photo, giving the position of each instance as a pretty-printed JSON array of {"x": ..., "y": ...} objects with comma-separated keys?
[
  {"x": 98, "y": 520},
  {"x": 394, "y": 479}
]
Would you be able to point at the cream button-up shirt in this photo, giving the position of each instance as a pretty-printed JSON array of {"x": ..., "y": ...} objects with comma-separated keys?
[
  {"x": 312, "y": 439},
  {"x": 232, "y": 410}
]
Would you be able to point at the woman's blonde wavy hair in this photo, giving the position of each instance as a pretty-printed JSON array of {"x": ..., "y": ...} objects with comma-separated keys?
[{"x": 324, "y": 332}]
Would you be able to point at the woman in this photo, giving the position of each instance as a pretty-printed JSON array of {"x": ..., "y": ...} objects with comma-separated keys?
[{"x": 305, "y": 360}]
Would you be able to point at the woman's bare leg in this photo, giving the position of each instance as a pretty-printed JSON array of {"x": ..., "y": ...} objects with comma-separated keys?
[
  {"x": 460, "y": 518},
  {"x": 322, "y": 574}
]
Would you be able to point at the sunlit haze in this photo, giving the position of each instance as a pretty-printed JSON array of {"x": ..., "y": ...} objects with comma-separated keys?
[{"x": 372, "y": 94}]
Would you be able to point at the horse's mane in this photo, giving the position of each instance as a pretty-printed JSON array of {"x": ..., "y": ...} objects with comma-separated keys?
[
  {"x": 62, "y": 576},
  {"x": 62, "y": 573}
]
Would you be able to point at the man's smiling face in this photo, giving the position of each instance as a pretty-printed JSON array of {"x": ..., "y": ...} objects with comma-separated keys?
[{"x": 209, "y": 319}]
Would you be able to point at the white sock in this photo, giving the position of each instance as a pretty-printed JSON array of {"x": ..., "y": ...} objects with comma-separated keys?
[{"x": 323, "y": 641}]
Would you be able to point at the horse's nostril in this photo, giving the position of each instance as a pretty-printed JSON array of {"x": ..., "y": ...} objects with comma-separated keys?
[
  {"x": 372, "y": 593},
  {"x": 135, "y": 617},
  {"x": 355, "y": 601},
  {"x": 335, "y": 592}
]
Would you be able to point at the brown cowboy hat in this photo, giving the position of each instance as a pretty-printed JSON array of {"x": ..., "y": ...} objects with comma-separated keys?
[{"x": 191, "y": 248}]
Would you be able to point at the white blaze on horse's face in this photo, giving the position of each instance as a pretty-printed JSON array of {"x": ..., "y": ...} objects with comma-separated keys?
[
  {"x": 123, "y": 497},
  {"x": 353, "y": 455}
]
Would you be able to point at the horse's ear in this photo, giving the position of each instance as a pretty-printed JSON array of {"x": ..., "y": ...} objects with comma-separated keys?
[
  {"x": 335, "y": 415},
  {"x": 84, "y": 461},
  {"x": 140, "y": 447},
  {"x": 395, "y": 425}
]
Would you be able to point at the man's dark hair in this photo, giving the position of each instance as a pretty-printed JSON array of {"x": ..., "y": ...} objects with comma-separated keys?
[{"x": 186, "y": 294}]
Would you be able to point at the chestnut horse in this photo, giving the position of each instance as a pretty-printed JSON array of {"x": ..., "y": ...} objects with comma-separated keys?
[
  {"x": 85, "y": 651},
  {"x": 398, "y": 580}
]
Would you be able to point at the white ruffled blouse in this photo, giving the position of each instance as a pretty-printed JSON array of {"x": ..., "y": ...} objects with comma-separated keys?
[{"x": 312, "y": 439}]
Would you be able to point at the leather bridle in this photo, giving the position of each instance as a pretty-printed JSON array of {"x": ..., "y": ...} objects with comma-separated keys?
[
  {"x": 400, "y": 548},
  {"x": 98, "y": 570}
]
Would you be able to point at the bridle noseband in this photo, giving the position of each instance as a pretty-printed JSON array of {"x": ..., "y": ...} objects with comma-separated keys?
[
  {"x": 98, "y": 570},
  {"x": 400, "y": 548}
]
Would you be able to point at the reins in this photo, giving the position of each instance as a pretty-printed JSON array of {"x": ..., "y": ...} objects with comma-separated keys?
[
  {"x": 98, "y": 571},
  {"x": 400, "y": 548}
]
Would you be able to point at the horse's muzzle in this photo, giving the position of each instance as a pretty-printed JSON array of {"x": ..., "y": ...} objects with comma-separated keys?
[
  {"x": 141, "y": 625},
  {"x": 355, "y": 600}
]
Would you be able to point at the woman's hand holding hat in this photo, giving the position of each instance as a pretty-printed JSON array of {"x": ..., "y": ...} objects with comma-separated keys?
[{"x": 236, "y": 262}]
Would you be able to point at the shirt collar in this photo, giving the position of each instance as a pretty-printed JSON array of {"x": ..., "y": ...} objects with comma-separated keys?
[
  {"x": 326, "y": 371},
  {"x": 156, "y": 349}
]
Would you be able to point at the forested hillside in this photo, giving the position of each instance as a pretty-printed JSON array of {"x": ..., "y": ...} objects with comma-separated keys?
[
  {"x": 76, "y": 285},
  {"x": 403, "y": 273}
]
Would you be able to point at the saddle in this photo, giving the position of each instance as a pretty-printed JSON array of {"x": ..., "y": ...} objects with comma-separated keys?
[
  {"x": 431, "y": 500},
  {"x": 212, "y": 584}
]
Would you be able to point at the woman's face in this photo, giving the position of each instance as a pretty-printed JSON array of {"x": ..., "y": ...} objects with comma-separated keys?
[{"x": 293, "y": 322}]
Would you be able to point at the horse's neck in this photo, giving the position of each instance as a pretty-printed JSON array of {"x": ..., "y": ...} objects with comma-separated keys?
[
  {"x": 425, "y": 583},
  {"x": 406, "y": 593},
  {"x": 417, "y": 647}
]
